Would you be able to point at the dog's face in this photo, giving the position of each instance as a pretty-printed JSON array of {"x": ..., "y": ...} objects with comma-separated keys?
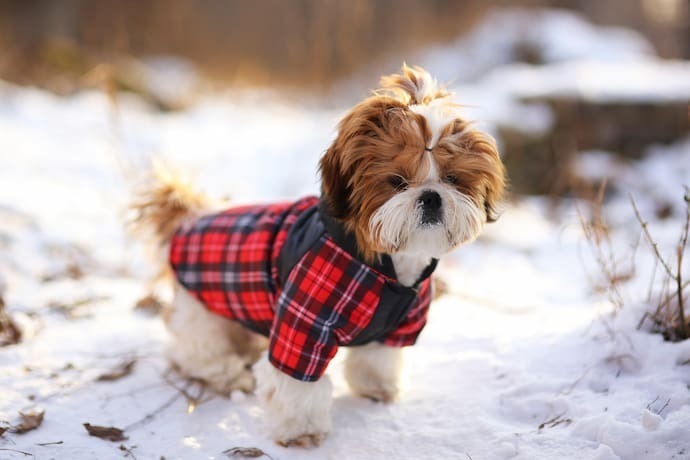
[{"x": 406, "y": 174}]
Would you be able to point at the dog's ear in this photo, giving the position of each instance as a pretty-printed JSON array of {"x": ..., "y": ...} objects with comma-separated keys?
[
  {"x": 366, "y": 129},
  {"x": 481, "y": 164},
  {"x": 493, "y": 174},
  {"x": 335, "y": 190}
]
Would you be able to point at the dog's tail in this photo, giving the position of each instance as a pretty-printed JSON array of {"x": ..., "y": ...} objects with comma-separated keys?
[{"x": 163, "y": 202}]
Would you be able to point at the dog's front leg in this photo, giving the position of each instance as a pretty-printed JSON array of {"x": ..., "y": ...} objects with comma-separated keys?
[
  {"x": 296, "y": 413},
  {"x": 373, "y": 371}
]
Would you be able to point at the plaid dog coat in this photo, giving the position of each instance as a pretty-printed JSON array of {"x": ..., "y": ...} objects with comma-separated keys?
[{"x": 290, "y": 272}]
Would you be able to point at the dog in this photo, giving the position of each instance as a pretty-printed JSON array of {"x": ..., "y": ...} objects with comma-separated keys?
[{"x": 406, "y": 180}]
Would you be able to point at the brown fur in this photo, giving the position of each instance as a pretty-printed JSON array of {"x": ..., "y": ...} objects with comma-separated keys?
[
  {"x": 163, "y": 203},
  {"x": 381, "y": 138}
]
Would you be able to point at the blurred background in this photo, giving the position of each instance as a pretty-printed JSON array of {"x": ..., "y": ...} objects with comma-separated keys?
[
  {"x": 301, "y": 43},
  {"x": 549, "y": 78},
  {"x": 244, "y": 97}
]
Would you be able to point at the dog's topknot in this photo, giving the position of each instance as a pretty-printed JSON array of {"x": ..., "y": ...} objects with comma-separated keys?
[{"x": 413, "y": 86}]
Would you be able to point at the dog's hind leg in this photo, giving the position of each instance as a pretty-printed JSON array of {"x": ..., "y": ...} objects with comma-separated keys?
[{"x": 203, "y": 345}]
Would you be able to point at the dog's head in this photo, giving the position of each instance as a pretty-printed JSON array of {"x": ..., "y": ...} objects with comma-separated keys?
[{"x": 407, "y": 174}]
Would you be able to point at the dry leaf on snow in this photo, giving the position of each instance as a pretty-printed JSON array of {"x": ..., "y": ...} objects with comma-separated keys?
[
  {"x": 246, "y": 452},
  {"x": 9, "y": 331},
  {"x": 122, "y": 370},
  {"x": 30, "y": 421},
  {"x": 109, "y": 433}
]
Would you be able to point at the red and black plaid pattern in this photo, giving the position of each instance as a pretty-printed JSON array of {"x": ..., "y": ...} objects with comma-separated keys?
[
  {"x": 229, "y": 262},
  {"x": 226, "y": 260},
  {"x": 328, "y": 298}
]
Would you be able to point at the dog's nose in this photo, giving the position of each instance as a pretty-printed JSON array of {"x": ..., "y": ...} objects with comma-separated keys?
[{"x": 431, "y": 207}]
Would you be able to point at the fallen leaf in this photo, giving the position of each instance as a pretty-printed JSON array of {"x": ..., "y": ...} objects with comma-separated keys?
[
  {"x": 30, "y": 421},
  {"x": 10, "y": 333},
  {"x": 149, "y": 304},
  {"x": 2, "y": 430},
  {"x": 122, "y": 370},
  {"x": 246, "y": 452},
  {"x": 109, "y": 433}
]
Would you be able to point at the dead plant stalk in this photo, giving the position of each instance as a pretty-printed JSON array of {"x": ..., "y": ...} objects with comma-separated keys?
[{"x": 676, "y": 276}]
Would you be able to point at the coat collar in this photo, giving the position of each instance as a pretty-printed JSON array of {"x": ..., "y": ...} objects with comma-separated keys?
[{"x": 347, "y": 241}]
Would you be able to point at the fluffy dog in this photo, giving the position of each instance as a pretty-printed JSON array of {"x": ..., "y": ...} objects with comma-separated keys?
[{"x": 406, "y": 180}]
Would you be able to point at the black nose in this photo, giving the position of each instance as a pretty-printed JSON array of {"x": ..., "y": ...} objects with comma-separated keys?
[{"x": 431, "y": 207}]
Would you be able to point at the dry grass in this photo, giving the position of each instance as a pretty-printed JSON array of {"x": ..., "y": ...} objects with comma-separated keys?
[
  {"x": 667, "y": 297},
  {"x": 598, "y": 236},
  {"x": 669, "y": 315}
]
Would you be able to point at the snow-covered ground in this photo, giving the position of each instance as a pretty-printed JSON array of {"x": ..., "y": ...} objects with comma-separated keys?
[{"x": 521, "y": 357}]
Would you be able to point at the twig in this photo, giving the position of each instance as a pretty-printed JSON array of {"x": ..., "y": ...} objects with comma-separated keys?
[
  {"x": 650, "y": 289},
  {"x": 192, "y": 401},
  {"x": 110, "y": 398},
  {"x": 649, "y": 406},
  {"x": 28, "y": 454},
  {"x": 664, "y": 406},
  {"x": 649, "y": 238},
  {"x": 679, "y": 257},
  {"x": 555, "y": 421},
  {"x": 179, "y": 392},
  {"x": 671, "y": 296},
  {"x": 577, "y": 380},
  {"x": 55, "y": 443},
  {"x": 128, "y": 450},
  {"x": 150, "y": 416}
]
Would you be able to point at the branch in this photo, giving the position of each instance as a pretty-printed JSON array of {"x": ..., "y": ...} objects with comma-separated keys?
[
  {"x": 28, "y": 454},
  {"x": 150, "y": 416},
  {"x": 650, "y": 240},
  {"x": 679, "y": 257}
]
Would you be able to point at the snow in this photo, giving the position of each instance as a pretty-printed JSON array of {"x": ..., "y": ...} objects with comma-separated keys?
[
  {"x": 637, "y": 81},
  {"x": 555, "y": 35},
  {"x": 521, "y": 359}
]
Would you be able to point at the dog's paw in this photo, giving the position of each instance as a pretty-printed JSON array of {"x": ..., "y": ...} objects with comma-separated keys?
[
  {"x": 296, "y": 413},
  {"x": 292, "y": 425},
  {"x": 223, "y": 374},
  {"x": 301, "y": 431},
  {"x": 375, "y": 388},
  {"x": 373, "y": 371}
]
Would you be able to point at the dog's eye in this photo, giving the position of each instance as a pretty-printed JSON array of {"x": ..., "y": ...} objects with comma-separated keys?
[
  {"x": 397, "y": 182},
  {"x": 451, "y": 179}
]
